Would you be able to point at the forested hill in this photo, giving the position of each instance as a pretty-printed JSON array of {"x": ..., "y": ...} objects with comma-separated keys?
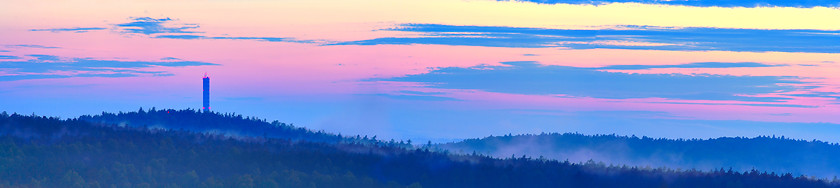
[
  {"x": 228, "y": 124},
  {"x": 774, "y": 154},
  {"x": 50, "y": 152}
]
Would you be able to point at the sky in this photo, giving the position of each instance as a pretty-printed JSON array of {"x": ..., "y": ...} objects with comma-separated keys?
[{"x": 438, "y": 70}]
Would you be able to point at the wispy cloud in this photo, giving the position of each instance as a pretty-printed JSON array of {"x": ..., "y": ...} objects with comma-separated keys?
[
  {"x": 37, "y": 66},
  {"x": 412, "y": 97},
  {"x": 188, "y": 37},
  {"x": 691, "y": 65},
  {"x": 168, "y": 28},
  {"x": 623, "y": 37},
  {"x": 536, "y": 79},
  {"x": 30, "y": 46},
  {"x": 30, "y": 77},
  {"x": 8, "y": 57},
  {"x": 75, "y": 29},
  {"x": 745, "y": 104},
  {"x": 817, "y": 94},
  {"x": 148, "y": 26},
  {"x": 703, "y": 3},
  {"x": 267, "y": 39}
]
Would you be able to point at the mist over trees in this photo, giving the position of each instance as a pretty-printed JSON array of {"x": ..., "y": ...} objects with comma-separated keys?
[
  {"x": 37, "y": 151},
  {"x": 765, "y": 153}
]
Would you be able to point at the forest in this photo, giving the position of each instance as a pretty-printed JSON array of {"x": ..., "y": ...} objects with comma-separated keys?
[{"x": 187, "y": 148}]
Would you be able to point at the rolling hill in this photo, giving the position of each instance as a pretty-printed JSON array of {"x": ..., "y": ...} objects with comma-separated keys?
[{"x": 37, "y": 151}]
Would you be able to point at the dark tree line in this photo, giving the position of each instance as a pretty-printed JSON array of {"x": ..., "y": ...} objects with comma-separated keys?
[
  {"x": 229, "y": 124},
  {"x": 50, "y": 152}
]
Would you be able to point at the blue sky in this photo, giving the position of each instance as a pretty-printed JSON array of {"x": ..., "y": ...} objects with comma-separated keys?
[{"x": 439, "y": 70}]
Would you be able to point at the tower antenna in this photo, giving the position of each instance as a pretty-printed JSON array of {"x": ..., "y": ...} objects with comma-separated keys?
[{"x": 206, "y": 81}]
